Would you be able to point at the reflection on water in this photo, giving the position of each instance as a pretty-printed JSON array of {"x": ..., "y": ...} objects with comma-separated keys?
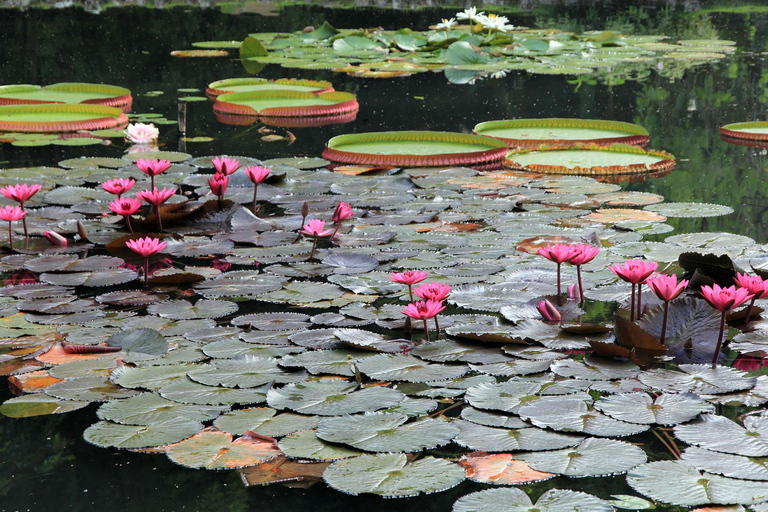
[{"x": 47, "y": 466}]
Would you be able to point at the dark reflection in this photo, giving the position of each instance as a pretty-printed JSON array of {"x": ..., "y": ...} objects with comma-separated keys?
[{"x": 46, "y": 466}]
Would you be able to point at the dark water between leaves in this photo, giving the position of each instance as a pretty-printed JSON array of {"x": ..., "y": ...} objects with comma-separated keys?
[{"x": 45, "y": 464}]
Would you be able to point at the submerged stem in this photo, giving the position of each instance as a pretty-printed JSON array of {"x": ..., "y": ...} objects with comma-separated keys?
[
  {"x": 10, "y": 235},
  {"x": 749, "y": 310},
  {"x": 254, "y": 208},
  {"x": 426, "y": 331},
  {"x": 719, "y": 341}
]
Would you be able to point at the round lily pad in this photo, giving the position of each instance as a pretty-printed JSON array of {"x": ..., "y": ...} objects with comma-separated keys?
[
  {"x": 151, "y": 408},
  {"x": 408, "y": 368},
  {"x": 593, "y": 457},
  {"x": 750, "y": 130},
  {"x": 244, "y": 372},
  {"x": 214, "y": 449},
  {"x": 52, "y": 118},
  {"x": 573, "y": 415},
  {"x": 38, "y": 404},
  {"x": 535, "y": 132},
  {"x": 591, "y": 159},
  {"x": 304, "y": 444},
  {"x": 690, "y": 209},
  {"x": 516, "y": 500},
  {"x": 332, "y": 398},
  {"x": 666, "y": 409},
  {"x": 69, "y": 93},
  {"x": 391, "y": 476},
  {"x": 721, "y": 434},
  {"x": 114, "y": 435},
  {"x": 490, "y": 439},
  {"x": 285, "y": 103},
  {"x": 260, "y": 84},
  {"x": 414, "y": 149},
  {"x": 500, "y": 469}
]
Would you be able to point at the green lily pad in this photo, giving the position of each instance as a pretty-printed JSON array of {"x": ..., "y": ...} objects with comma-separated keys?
[
  {"x": 114, "y": 435},
  {"x": 244, "y": 372},
  {"x": 38, "y": 404},
  {"x": 593, "y": 457},
  {"x": 666, "y": 409},
  {"x": 332, "y": 398},
  {"x": 151, "y": 408},
  {"x": 720, "y": 434},
  {"x": 690, "y": 209},
  {"x": 214, "y": 449},
  {"x": 304, "y": 444},
  {"x": 516, "y": 500},
  {"x": 490, "y": 439}
]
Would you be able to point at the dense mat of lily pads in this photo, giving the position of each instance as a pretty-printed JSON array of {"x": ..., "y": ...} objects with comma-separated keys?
[{"x": 273, "y": 332}]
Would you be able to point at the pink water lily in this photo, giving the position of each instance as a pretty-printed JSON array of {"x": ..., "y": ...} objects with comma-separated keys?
[
  {"x": 55, "y": 238},
  {"x": 558, "y": 253},
  {"x": 152, "y": 168},
  {"x": 314, "y": 228},
  {"x": 409, "y": 278},
  {"x": 156, "y": 197},
  {"x": 10, "y": 214},
  {"x": 756, "y": 285},
  {"x": 582, "y": 253},
  {"x": 340, "y": 214},
  {"x": 126, "y": 206},
  {"x": 225, "y": 165},
  {"x": 635, "y": 272},
  {"x": 666, "y": 288},
  {"x": 146, "y": 247},
  {"x": 218, "y": 184},
  {"x": 423, "y": 310},
  {"x": 723, "y": 299},
  {"x": 21, "y": 194},
  {"x": 256, "y": 174},
  {"x": 140, "y": 133},
  {"x": 118, "y": 186},
  {"x": 435, "y": 291}
]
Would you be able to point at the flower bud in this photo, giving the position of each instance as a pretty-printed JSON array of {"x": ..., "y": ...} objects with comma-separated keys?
[
  {"x": 55, "y": 238},
  {"x": 81, "y": 230},
  {"x": 305, "y": 209},
  {"x": 548, "y": 311}
]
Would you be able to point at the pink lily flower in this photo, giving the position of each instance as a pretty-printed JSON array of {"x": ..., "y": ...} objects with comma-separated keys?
[
  {"x": 435, "y": 291},
  {"x": 126, "y": 206},
  {"x": 156, "y": 198},
  {"x": 118, "y": 186},
  {"x": 582, "y": 253},
  {"x": 314, "y": 228},
  {"x": 342, "y": 213},
  {"x": 256, "y": 174},
  {"x": 218, "y": 184},
  {"x": 409, "y": 278},
  {"x": 152, "y": 168},
  {"x": 635, "y": 272},
  {"x": 558, "y": 253},
  {"x": 723, "y": 299},
  {"x": 756, "y": 285},
  {"x": 225, "y": 165},
  {"x": 146, "y": 247},
  {"x": 549, "y": 312},
  {"x": 21, "y": 194},
  {"x": 423, "y": 310},
  {"x": 10, "y": 214},
  {"x": 666, "y": 288}
]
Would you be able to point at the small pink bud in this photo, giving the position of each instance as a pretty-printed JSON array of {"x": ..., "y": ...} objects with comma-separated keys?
[
  {"x": 573, "y": 291},
  {"x": 548, "y": 311},
  {"x": 55, "y": 238},
  {"x": 81, "y": 230}
]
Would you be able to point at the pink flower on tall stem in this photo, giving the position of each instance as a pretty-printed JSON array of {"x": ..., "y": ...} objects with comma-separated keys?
[
  {"x": 152, "y": 168},
  {"x": 723, "y": 299},
  {"x": 315, "y": 229},
  {"x": 21, "y": 194},
  {"x": 146, "y": 247},
  {"x": 10, "y": 214},
  {"x": 342, "y": 213},
  {"x": 756, "y": 285},
  {"x": 433, "y": 291},
  {"x": 225, "y": 165},
  {"x": 558, "y": 253},
  {"x": 409, "y": 278},
  {"x": 55, "y": 238},
  {"x": 667, "y": 289},
  {"x": 256, "y": 174},
  {"x": 582, "y": 253},
  {"x": 218, "y": 184},
  {"x": 423, "y": 310},
  {"x": 156, "y": 198},
  {"x": 118, "y": 186},
  {"x": 126, "y": 206},
  {"x": 635, "y": 272}
]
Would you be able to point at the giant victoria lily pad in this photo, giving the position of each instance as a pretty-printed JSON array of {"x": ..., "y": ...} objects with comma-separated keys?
[
  {"x": 54, "y": 118},
  {"x": 531, "y": 133},
  {"x": 286, "y": 103},
  {"x": 591, "y": 159},
  {"x": 252, "y": 84},
  {"x": 750, "y": 130},
  {"x": 69, "y": 93},
  {"x": 414, "y": 149}
]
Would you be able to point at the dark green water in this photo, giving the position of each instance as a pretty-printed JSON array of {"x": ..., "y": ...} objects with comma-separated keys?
[{"x": 46, "y": 466}]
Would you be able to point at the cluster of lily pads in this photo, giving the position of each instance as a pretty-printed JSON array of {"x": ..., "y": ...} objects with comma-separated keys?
[
  {"x": 487, "y": 47},
  {"x": 251, "y": 350}
]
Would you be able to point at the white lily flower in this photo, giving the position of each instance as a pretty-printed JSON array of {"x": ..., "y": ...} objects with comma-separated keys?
[
  {"x": 496, "y": 22},
  {"x": 470, "y": 14},
  {"x": 446, "y": 24}
]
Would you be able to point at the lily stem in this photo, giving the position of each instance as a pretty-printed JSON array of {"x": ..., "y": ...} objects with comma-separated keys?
[
  {"x": 632, "y": 304},
  {"x": 426, "y": 331},
  {"x": 10, "y": 235},
  {"x": 581, "y": 288},
  {"x": 664, "y": 322},
  {"x": 719, "y": 340}
]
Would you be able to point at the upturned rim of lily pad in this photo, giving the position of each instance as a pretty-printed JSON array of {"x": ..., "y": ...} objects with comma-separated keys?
[
  {"x": 736, "y": 130},
  {"x": 120, "y": 97},
  {"x": 626, "y": 133},
  {"x": 667, "y": 162},
  {"x": 100, "y": 118},
  {"x": 328, "y": 103},
  {"x": 223, "y": 86},
  {"x": 489, "y": 150}
]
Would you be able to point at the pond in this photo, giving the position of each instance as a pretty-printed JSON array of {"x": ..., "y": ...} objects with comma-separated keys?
[{"x": 47, "y": 465}]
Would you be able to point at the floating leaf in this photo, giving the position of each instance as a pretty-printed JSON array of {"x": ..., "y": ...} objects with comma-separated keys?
[
  {"x": 390, "y": 475},
  {"x": 407, "y": 368},
  {"x": 489, "y": 439},
  {"x": 38, "y": 404},
  {"x": 213, "y": 449},
  {"x": 244, "y": 372},
  {"x": 720, "y": 434},
  {"x": 573, "y": 415},
  {"x": 666, "y": 409},
  {"x": 500, "y": 469},
  {"x": 515, "y": 500},
  {"x": 305, "y": 444},
  {"x": 332, "y": 398},
  {"x": 151, "y": 408},
  {"x": 593, "y": 457},
  {"x": 690, "y": 209},
  {"x": 114, "y": 435}
]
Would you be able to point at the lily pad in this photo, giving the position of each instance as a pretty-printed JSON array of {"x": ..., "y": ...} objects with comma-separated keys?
[
  {"x": 214, "y": 449},
  {"x": 332, "y": 398},
  {"x": 515, "y": 500},
  {"x": 593, "y": 457}
]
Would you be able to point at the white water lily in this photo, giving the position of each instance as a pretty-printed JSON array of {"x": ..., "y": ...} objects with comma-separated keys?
[
  {"x": 140, "y": 133},
  {"x": 470, "y": 14},
  {"x": 446, "y": 24},
  {"x": 495, "y": 22}
]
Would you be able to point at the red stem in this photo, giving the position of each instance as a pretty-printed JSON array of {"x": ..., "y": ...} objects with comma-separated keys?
[
  {"x": 558, "y": 282},
  {"x": 719, "y": 341},
  {"x": 159, "y": 220},
  {"x": 581, "y": 288},
  {"x": 255, "y": 188},
  {"x": 749, "y": 310},
  {"x": 314, "y": 245},
  {"x": 146, "y": 271},
  {"x": 128, "y": 223},
  {"x": 639, "y": 300},
  {"x": 426, "y": 331},
  {"x": 10, "y": 235},
  {"x": 437, "y": 328},
  {"x": 664, "y": 322},
  {"x": 632, "y": 305}
]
